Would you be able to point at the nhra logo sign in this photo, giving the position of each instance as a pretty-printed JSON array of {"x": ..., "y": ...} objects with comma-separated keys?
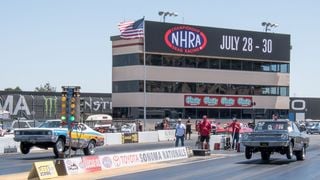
[{"x": 185, "y": 39}]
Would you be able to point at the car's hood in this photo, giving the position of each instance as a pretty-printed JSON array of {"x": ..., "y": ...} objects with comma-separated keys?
[
  {"x": 268, "y": 132},
  {"x": 126, "y": 129},
  {"x": 41, "y": 129}
]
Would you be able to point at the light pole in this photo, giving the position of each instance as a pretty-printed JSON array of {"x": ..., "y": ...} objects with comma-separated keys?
[
  {"x": 167, "y": 13},
  {"x": 267, "y": 25},
  {"x": 253, "y": 114},
  {"x": 33, "y": 112}
]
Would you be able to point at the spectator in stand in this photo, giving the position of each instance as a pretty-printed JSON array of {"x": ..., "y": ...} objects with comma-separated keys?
[
  {"x": 188, "y": 128},
  {"x": 205, "y": 130},
  {"x": 251, "y": 125},
  {"x": 164, "y": 125},
  {"x": 180, "y": 133},
  {"x": 235, "y": 126}
]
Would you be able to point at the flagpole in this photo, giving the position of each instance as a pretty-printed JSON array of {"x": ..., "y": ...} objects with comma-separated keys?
[{"x": 144, "y": 80}]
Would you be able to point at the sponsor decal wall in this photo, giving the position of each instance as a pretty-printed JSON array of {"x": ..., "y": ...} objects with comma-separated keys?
[
  {"x": 187, "y": 39},
  {"x": 143, "y": 157},
  {"x": 103, "y": 162},
  {"x": 82, "y": 164},
  {"x": 218, "y": 101}
]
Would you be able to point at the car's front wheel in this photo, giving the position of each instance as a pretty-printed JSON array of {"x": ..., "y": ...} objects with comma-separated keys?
[
  {"x": 290, "y": 151},
  {"x": 25, "y": 148},
  {"x": 248, "y": 153},
  {"x": 301, "y": 155},
  {"x": 59, "y": 147},
  {"x": 91, "y": 148}
]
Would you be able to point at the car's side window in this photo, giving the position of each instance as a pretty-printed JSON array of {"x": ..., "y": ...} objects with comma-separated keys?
[
  {"x": 20, "y": 125},
  {"x": 15, "y": 125},
  {"x": 80, "y": 127},
  {"x": 83, "y": 128},
  {"x": 290, "y": 128},
  {"x": 296, "y": 129}
]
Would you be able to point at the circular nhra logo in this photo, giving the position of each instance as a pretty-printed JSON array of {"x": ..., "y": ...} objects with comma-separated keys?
[
  {"x": 185, "y": 39},
  {"x": 107, "y": 162}
]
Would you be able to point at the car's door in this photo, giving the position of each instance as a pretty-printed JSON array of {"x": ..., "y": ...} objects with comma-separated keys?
[{"x": 298, "y": 137}]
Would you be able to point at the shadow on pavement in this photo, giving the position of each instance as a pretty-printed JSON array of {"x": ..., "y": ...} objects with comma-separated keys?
[{"x": 272, "y": 161}]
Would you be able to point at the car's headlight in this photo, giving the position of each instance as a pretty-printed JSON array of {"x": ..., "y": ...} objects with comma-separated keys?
[
  {"x": 49, "y": 133},
  {"x": 284, "y": 136},
  {"x": 17, "y": 132}
]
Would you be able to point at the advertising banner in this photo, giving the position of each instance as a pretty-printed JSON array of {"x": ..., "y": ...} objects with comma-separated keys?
[
  {"x": 82, "y": 164},
  {"x": 143, "y": 157},
  {"x": 304, "y": 108},
  {"x": 38, "y": 106},
  {"x": 218, "y": 101},
  {"x": 85, "y": 164},
  {"x": 218, "y": 42},
  {"x": 129, "y": 138}
]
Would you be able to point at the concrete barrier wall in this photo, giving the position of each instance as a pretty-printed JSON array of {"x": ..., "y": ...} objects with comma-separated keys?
[
  {"x": 109, "y": 139},
  {"x": 166, "y": 135},
  {"x": 6, "y": 142},
  {"x": 148, "y": 136},
  {"x": 214, "y": 139},
  {"x": 112, "y": 138}
]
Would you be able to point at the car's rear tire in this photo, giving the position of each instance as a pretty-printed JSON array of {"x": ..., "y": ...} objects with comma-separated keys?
[
  {"x": 265, "y": 155},
  {"x": 248, "y": 153},
  {"x": 90, "y": 149},
  {"x": 25, "y": 148},
  {"x": 59, "y": 147},
  {"x": 301, "y": 155},
  {"x": 290, "y": 151}
]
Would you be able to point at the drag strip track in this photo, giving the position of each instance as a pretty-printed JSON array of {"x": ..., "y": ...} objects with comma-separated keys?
[{"x": 237, "y": 167}]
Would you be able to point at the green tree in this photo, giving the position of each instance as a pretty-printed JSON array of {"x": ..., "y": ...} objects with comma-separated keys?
[
  {"x": 17, "y": 89},
  {"x": 45, "y": 88}
]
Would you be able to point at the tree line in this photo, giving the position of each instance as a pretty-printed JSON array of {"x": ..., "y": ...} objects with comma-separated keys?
[{"x": 42, "y": 88}]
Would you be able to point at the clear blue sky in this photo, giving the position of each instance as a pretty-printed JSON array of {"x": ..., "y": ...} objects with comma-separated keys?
[{"x": 46, "y": 41}]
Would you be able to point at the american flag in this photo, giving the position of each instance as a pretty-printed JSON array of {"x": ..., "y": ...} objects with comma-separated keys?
[{"x": 131, "y": 29}]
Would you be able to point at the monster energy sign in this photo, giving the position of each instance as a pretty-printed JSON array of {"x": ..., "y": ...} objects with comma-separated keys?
[{"x": 48, "y": 107}]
